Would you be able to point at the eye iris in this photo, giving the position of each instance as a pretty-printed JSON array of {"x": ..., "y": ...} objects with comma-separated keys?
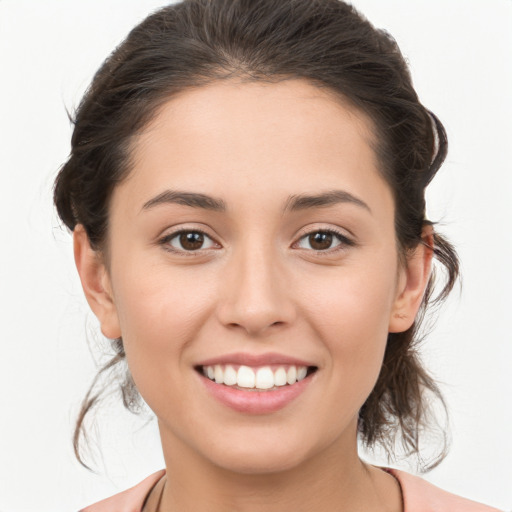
[
  {"x": 320, "y": 241},
  {"x": 191, "y": 240}
]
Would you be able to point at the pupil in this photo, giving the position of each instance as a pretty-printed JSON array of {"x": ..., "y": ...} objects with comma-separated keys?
[
  {"x": 320, "y": 241},
  {"x": 191, "y": 240}
]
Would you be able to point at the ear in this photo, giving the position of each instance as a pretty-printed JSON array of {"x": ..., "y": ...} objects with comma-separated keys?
[
  {"x": 96, "y": 283},
  {"x": 412, "y": 282}
]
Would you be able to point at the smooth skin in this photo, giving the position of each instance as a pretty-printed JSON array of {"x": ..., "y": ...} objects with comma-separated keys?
[{"x": 257, "y": 281}]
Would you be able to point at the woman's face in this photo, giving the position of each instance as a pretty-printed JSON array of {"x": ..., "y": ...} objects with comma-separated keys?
[{"x": 253, "y": 238}]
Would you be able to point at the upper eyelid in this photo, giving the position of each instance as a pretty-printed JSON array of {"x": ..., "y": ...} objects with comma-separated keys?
[
  {"x": 165, "y": 238},
  {"x": 323, "y": 230},
  {"x": 343, "y": 239},
  {"x": 298, "y": 237},
  {"x": 341, "y": 232},
  {"x": 173, "y": 231}
]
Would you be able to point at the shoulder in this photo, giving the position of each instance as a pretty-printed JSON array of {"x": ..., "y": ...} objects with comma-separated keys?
[
  {"x": 130, "y": 500},
  {"x": 419, "y": 496},
  {"x": 422, "y": 496}
]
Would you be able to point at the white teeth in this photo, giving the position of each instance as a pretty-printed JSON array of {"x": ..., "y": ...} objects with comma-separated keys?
[
  {"x": 230, "y": 376},
  {"x": 280, "y": 377},
  {"x": 291, "y": 375},
  {"x": 245, "y": 377},
  {"x": 264, "y": 378},
  {"x": 218, "y": 373},
  {"x": 260, "y": 378}
]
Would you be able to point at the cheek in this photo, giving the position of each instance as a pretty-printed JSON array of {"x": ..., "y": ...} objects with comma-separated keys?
[
  {"x": 157, "y": 298},
  {"x": 350, "y": 314},
  {"x": 160, "y": 313}
]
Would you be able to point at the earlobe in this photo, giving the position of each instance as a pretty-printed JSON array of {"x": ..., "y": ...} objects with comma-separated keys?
[
  {"x": 412, "y": 284},
  {"x": 95, "y": 283}
]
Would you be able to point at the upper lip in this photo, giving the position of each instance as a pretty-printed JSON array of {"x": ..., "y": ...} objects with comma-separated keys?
[{"x": 241, "y": 358}]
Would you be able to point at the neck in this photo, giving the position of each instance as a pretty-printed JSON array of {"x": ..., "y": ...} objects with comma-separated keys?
[{"x": 335, "y": 480}]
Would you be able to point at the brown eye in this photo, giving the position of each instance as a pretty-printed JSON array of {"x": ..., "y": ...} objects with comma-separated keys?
[
  {"x": 320, "y": 241},
  {"x": 189, "y": 241},
  {"x": 323, "y": 241}
]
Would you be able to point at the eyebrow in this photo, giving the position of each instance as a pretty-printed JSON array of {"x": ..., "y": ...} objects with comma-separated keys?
[
  {"x": 192, "y": 199},
  {"x": 293, "y": 204},
  {"x": 329, "y": 198}
]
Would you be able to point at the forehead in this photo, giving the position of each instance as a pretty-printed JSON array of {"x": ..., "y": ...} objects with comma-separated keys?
[
  {"x": 224, "y": 107},
  {"x": 286, "y": 137}
]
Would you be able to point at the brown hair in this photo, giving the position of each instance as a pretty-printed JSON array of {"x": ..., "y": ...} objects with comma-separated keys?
[{"x": 326, "y": 42}]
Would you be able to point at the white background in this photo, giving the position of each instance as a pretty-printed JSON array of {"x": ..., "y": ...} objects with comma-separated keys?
[{"x": 460, "y": 56}]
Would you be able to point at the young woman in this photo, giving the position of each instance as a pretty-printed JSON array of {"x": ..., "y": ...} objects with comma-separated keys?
[{"x": 246, "y": 191}]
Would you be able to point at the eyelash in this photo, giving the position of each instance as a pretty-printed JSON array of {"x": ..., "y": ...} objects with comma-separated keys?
[
  {"x": 165, "y": 242},
  {"x": 344, "y": 241}
]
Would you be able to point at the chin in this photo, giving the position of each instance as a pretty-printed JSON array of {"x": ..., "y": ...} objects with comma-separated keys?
[
  {"x": 260, "y": 462},
  {"x": 262, "y": 452}
]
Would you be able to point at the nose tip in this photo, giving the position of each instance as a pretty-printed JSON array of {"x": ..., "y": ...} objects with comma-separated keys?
[
  {"x": 255, "y": 298},
  {"x": 255, "y": 322}
]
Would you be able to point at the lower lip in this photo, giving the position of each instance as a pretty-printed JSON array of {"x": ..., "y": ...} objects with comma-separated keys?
[{"x": 256, "y": 402}]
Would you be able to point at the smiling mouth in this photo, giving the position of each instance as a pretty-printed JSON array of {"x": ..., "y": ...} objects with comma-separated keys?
[{"x": 263, "y": 378}]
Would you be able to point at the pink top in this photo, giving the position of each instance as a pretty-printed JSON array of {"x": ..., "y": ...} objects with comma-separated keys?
[{"x": 418, "y": 494}]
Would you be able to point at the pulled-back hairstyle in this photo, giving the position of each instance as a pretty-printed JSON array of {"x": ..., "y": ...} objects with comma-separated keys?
[{"x": 329, "y": 44}]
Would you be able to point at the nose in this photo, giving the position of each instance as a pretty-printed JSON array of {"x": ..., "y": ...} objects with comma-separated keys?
[{"x": 255, "y": 295}]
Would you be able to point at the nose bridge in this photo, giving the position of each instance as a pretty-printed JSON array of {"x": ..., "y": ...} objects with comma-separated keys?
[{"x": 255, "y": 295}]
